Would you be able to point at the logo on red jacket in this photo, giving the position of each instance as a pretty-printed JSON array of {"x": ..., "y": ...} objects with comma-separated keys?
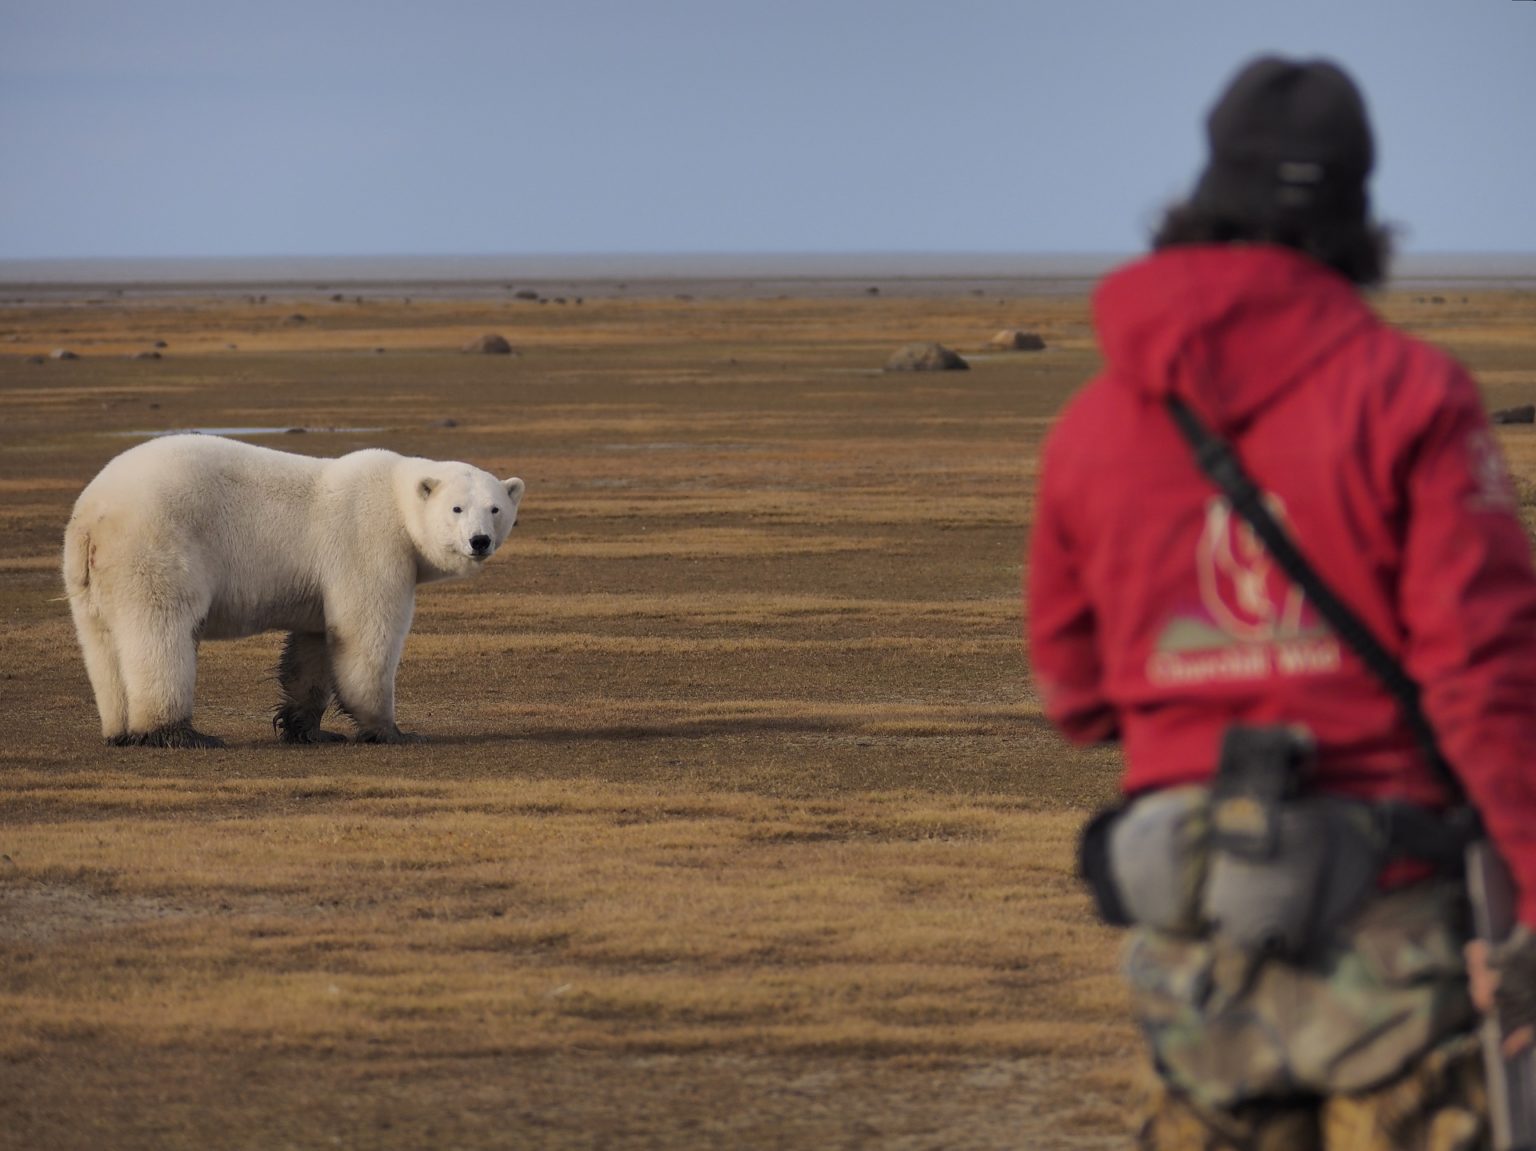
[
  {"x": 1250, "y": 622},
  {"x": 1495, "y": 486},
  {"x": 1246, "y": 593}
]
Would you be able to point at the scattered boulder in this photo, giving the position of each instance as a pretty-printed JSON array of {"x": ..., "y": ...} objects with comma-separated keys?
[
  {"x": 160, "y": 344},
  {"x": 1522, "y": 414},
  {"x": 525, "y": 294},
  {"x": 36, "y": 360},
  {"x": 445, "y": 422},
  {"x": 925, "y": 358},
  {"x": 145, "y": 356},
  {"x": 63, "y": 354},
  {"x": 296, "y": 318},
  {"x": 1017, "y": 340},
  {"x": 489, "y": 345}
]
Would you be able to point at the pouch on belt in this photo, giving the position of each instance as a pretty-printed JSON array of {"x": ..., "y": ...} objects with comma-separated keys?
[
  {"x": 1285, "y": 869},
  {"x": 1157, "y": 853}
]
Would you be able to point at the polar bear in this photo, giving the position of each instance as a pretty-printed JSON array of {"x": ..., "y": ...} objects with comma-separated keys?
[{"x": 192, "y": 537}]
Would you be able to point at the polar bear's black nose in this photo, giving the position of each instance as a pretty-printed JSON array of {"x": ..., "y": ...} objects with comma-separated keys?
[{"x": 481, "y": 543}]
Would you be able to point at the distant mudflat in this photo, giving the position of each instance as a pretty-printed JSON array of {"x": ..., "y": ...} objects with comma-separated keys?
[{"x": 638, "y": 275}]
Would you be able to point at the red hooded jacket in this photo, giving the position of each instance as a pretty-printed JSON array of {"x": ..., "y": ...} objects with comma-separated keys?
[{"x": 1155, "y": 617}]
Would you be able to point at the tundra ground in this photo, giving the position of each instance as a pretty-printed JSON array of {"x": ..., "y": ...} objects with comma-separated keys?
[{"x": 738, "y": 826}]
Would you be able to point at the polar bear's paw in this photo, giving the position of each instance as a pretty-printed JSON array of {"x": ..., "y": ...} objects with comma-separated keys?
[
  {"x": 388, "y": 735},
  {"x": 309, "y": 735},
  {"x": 179, "y": 735},
  {"x": 295, "y": 726}
]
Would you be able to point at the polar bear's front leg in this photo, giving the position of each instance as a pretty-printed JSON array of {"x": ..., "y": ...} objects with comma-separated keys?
[{"x": 364, "y": 650}]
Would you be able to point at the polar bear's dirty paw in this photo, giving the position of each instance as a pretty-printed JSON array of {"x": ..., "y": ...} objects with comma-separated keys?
[
  {"x": 388, "y": 735},
  {"x": 320, "y": 735},
  {"x": 308, "y": 735},
  {"x": 179, "y": 735},
  {"x": 298, "y": 727}
]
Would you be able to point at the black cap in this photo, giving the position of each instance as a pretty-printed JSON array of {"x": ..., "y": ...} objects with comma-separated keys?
[{"x": 1289, "y": 141}]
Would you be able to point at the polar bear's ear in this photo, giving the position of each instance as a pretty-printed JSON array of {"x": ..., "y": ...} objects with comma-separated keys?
[
  {"x": 514, "y": 488},
  {"x": 426, "y": 488}
]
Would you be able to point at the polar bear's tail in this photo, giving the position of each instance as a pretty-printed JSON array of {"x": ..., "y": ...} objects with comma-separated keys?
[{"x": 77, "y": 561}]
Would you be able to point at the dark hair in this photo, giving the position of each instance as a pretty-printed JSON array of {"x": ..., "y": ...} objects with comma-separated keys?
[{"x": 1358, "y": 249}]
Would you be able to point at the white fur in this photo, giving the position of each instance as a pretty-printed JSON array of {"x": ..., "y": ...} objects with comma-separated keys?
[{"x": 193, "y": 537}]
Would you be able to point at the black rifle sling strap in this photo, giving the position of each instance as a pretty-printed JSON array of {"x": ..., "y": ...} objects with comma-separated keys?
[{"x": 1221, "y": 465}]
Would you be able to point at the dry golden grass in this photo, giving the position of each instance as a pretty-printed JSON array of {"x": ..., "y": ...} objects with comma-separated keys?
[{"x": 739, "y": 826}]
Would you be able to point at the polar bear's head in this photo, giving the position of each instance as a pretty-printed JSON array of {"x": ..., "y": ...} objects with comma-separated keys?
[{"x": 464, "y": 515}]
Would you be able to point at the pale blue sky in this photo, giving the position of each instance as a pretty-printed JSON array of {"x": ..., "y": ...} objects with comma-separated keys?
[{"x": 225, "y": 127}]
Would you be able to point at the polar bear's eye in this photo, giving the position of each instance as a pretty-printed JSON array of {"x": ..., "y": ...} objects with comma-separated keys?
[
  {"x": 495, "y": 511},
  {"x": 456, "y": 511}
]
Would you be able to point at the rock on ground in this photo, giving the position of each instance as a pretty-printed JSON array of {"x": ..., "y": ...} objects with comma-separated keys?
[
  {"x": 489, "y": 345},
  {"x": 1523, "y": 414},
  {"x": 1017, "y": 340},
  {"x": 925, "y": 358}
]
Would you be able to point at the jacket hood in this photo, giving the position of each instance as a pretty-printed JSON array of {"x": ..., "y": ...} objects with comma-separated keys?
[{"x": 1227, "y": 328}]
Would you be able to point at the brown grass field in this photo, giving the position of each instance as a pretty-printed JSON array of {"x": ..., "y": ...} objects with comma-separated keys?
[{"x": 738, "y": 827}]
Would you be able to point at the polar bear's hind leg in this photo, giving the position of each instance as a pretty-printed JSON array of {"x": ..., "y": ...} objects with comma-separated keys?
[
  {"x": 101, "y": 665},
  {"x": 304, "y": 674},
  {"x": 158, "y": 663}
]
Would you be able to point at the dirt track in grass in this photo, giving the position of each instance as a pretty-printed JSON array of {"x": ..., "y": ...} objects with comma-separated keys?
[{"x": 739, "y": 825}]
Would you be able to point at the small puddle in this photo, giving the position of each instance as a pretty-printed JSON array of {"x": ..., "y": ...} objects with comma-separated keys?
[
  {"x": 678, "y": 446},
  {"x": 252, "y": 430}
]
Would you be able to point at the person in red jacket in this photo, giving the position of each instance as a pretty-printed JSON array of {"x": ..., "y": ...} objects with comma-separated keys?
[{"x": 1158, "y": 619}]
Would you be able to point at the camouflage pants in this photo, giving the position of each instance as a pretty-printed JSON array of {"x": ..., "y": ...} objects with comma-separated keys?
[
  {"x": 1438, "y": 1105},
  {"x": 1374, "y": 1034}
]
